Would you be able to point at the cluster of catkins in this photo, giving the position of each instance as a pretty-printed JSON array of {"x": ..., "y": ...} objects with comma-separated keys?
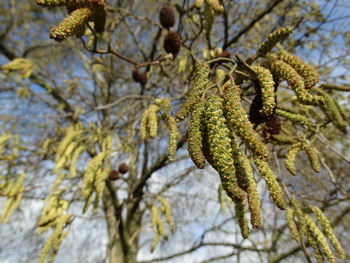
[
  {"x": 216, "y": 123},
  {"x": 301, "y": 224},
  {"x": 172, "y": 40},
  {"x": 150, "y": 121},
  {"x": 157, "y": 223},
  {"x": 80, "y": 12}
]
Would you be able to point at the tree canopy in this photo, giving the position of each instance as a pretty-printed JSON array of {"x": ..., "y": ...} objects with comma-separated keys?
[{"x": 174, "y": 131}]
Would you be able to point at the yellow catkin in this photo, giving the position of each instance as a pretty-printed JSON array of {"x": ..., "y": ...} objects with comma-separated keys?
[
  {"x": 241, "y": 218},
  {"x": 199, "y": 3},
  {"x": 100, "y": 181},
  {"x": 291, "y": 155},
  {"x": 291, "y": 224},
  {"x": 221, "y": 201},
  {"x": 267, "y": 85},
  {"x": 143, "y": 126},
  {"x": 293, "y": 117},
  {"x": 152, "y": 124},
  {"x": 220, "y": 148},
  {"x": 309, "y": 74},
  {"x": 275, "y": 37},
  {"x": 313, "y": 243},
  {"x": 216, "y": 6},
  {"x": 296, "y": 82},
  {"x": 195, "y": 135},
  {"x": 155, "y": 241},
  {"x": 271, "y": 183},
  {"x": 173, "y": 134},
  {"x": 320, "y": 238},
  {"x": 201, "y": 79},
  {"x": 209, "y": 17},
  {"x": 75, "y": 157},
  {"x": 313, "y": 157},
  {"x": 299, "y": 214},
  {"x": 90, "y": 173},
  {"x": 239, "y": 120},
  {"x": 328, "y": 230},
  {"x": 167, "y": 212},
  {"x": 71, "y": 134},
  {"x": 246, "y": 181}
]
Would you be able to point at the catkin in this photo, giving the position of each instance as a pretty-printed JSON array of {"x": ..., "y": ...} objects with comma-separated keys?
[
  {"x": 296, "y": 82},
  {"x": 313, "y": 157},
  {"x": 293, "y": 117},
  {"x": 309, "y": 74},
  {"x": 220, "y": 148},
  {"x": 246, "y": 181},
  {"x": 275, "y": 37},
  {"x": 241, "y": 218},
  {"x": 267, "y": 86},
  {"x": 209, "y": 16},
  {"x": 291, "y": 224},
  {"x": 320, "y": 238},
  {"x": 71, "y": 24},
  {"x": 238, "y": 119},
  {"x": 201, "y": 79},
  {"x": 291, "y": 155},
  {"x": 173, "y": 134},
  {"x": 328, "y": 230},
  {"x": 271, "y": 182},
  {"x": 195, "y": 138},
  {"x": 167, "y": 212}
]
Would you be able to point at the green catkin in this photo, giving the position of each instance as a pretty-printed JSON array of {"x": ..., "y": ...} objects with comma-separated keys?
[
  {"x": 195, "y": 137},
  {"x": 299, "y": 214},
  {"x": 320, "y": 238},
  {"x": 220, "y": 148},
  {"x": 90, "y": 174},
  {"x": 152, "y": 123},
  {"x": 167, "y": 212},
  {"x": 293, "y": 117},
  {"x": 291, "y": 224},
  {"x": 271, "y": 183},
  {"x": 201, "y": 79},
  {"x": 328, "y": 230},
  {"x": 173, "y": 134},
  {"x": 331, "y": 110},
  {"x": 239, "y": 120},
  {"x": 275, "y": 37},
  {"x": 199, "y": 3},
  {"x": 313, "y": 157},
  {"x": 71, "y": 24},
  {"x": 246, "y": 181},
  {"x": 241, "y": 218},
  {"x": 216, "y": 6},
  {"x": 291, "y": 156},
  {"x": 143, "y": 126},
  {"x": 296, "y": 82},
  {"x": 51, "y": 3},
  {"x": 313, "y": 243},
  {"x": 309, "y": 74},
  {"x": 74, "y": 160},
  {"x": 267, "y": 85},
  {"x": 221, "y": 201}
]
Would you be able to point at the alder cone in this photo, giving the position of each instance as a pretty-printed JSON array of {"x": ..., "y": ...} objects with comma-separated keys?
[
  {"x": 224, "y": 54},
  {"x": 123, "y": 168},
  {"x": 273, "y": 126},
  {"x": 113, "y": 175},
  {"x": 139, "y": 77},
  {"x": 172, "y": 43},
  {"x": 167, "y": 17}
]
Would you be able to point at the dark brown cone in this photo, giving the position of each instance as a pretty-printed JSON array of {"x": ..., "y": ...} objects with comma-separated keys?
[
  {"x": 100, "y": 15},
  {"x": 139, "y": 77},
  {"x": 113, "y": 175},
  {"x": 273, "y": 126},
  {"x": 123, "y": 168},
  {"x": 167, "y": 17},
  {"x": 172, "y": 43},
  {"x": 224, "y": 54}
]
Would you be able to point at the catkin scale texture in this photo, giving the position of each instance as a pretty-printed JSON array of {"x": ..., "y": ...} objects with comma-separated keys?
[
  {"x": 220, "y": 148},
  {"x": 238, "y": 119},
  {"x": 201, "y": 79}
]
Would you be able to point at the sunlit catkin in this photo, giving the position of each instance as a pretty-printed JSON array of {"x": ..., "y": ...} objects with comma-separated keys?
[
  {"x": 309, "y": 74},
  {"x": 291, "y": 156},
  {"x": 313, "y": 157},
  {"x": 71, "y": 24},
  {"x": 275, "y": 37},
  {"x": 293, "y": 117},
  {"x": 220, "y": 148},
  {"x": 295, "y": 81},
  {"x": 291, "y": 224},
  {"x": 246, "y": 181},
  {"x": 271, "y": 183},
  {"x": 328, "y": 230},
  {"x": 201, "y": 79},
  {"x": 320, "y": 238},
  {"x": 267, "y": 85},
  {"x": 152, "y": 124},
  {"x": 241, "y": 218},
  {"x": 167, "y": 212},
  {"x": 238, "y": 119},
  {"x": 195, "y": 137},
  {"x": 173, "y": 134}
]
